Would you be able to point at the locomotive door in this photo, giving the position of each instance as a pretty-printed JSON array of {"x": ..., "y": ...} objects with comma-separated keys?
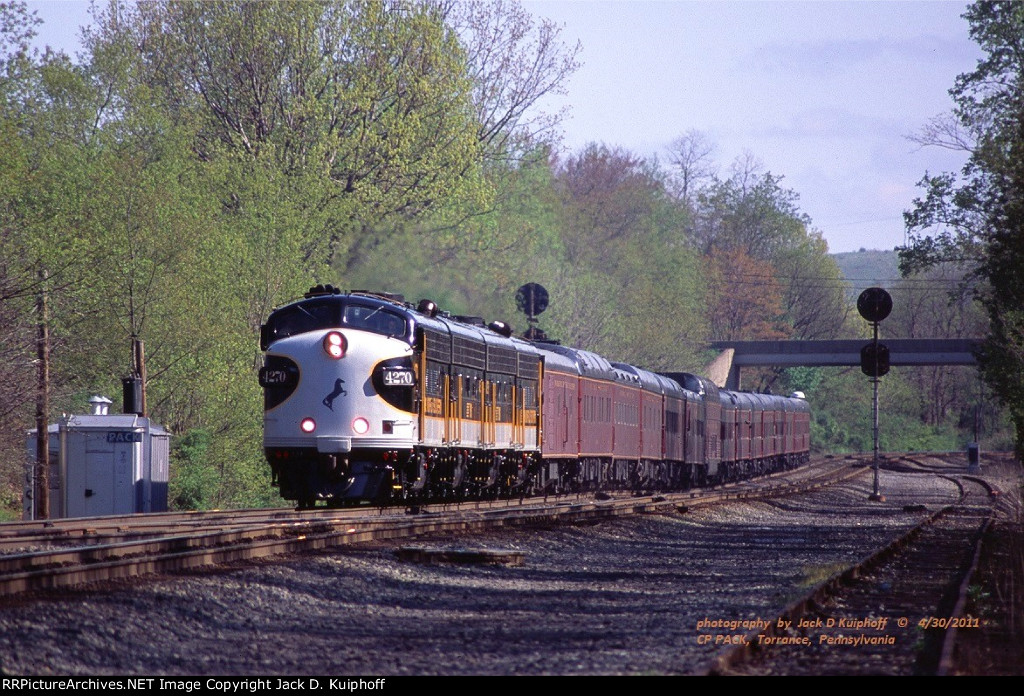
[
  {"x": 446, "y": 401},
  {"x": 456, "y": 408},
  {"x": 432, "y": 401},
  {"x": 560, "y": 418},
  {"x": 487, "y": 418},
  {"x": 518, "y": 431},
  {"x": 527, "y": 406}
]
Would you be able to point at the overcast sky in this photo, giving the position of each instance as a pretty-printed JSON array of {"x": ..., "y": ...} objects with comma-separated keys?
[{"x": 822, "y": 93}]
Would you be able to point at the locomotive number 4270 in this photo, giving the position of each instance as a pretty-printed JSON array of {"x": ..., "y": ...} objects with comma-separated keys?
[
  {"x": 276, "y": 378},
  {"x": 398, "y": 378}
]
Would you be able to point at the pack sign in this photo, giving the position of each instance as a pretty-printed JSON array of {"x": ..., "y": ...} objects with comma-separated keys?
[{"x": 123, "y": 436}]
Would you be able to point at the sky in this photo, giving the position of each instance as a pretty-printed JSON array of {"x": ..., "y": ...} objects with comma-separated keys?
[{"x": 823, "y": 93}]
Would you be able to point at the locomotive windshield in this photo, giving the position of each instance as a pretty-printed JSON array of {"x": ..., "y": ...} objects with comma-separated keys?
[
  {"x": 331, "y": 313},
  {"x": 375, "y": 319}
]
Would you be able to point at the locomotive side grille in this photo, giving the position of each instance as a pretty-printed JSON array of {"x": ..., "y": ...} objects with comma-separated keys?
[
  {"x": 501, "y": 360},
  {"x": 439, "y": 346},
  {"x": 469, "y": 353},
  {"x": 529, "y": 366},
  {"x": 432, "y": 383}
]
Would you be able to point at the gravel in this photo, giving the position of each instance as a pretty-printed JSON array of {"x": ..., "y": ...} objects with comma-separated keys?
[{"x": 619, "y": 598}]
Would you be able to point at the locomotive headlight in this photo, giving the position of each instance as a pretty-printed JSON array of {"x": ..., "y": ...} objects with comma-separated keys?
[
  {"x": 308, "y": 425},
  {"x": 335, "y": 345},
  {"x": 360, "y": 426}
]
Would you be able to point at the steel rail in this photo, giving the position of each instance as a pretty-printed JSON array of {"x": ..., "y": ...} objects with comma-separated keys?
[
  {"x": 724, "y": 662},
  {"x": 96, "y": 560}
]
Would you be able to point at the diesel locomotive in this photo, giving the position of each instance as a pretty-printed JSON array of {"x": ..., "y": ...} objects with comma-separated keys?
[{"x": 369, "y": 399}]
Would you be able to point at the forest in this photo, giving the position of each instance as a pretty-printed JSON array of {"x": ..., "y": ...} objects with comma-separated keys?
[{"x": 203, "y": 162}]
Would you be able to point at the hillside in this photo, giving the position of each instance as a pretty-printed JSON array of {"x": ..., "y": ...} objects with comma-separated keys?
[{"x": 868, "y": 268}]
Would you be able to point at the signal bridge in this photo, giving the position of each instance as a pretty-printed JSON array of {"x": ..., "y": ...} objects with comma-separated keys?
[{"x": 725, "y": 370}]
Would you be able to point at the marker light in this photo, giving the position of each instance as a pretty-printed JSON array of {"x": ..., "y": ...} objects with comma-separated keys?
[
  {"x": 360, "y": 426},
  {"x": 308, "y": 425},
  {"x": 335, "y": 345}
]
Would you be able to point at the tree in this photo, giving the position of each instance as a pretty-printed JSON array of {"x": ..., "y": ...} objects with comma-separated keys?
[
  {"x": 690, "y": 155},
  {"x": 934, "y": 304},
  {"x": 18, "y": 284},
  {"x": 751, "y": 220},
  {"x": 749, "y": 211},
  {"x": 977, "y": 219},
  {"x": 813, "y": 299},
  {"x": 745, "y": 298},
  {"x": 514, "y": 63},
  {"x": 371, "y": 98},
  {"x": 611, "y": 196},
  {"x": 635, "y": 283},
  {"x": 43, "y": 172}
]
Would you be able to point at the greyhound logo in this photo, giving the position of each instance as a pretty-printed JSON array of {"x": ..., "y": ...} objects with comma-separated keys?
[{"x": 338, "y": 391}]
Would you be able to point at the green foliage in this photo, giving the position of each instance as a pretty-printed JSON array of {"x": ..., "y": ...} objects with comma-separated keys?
[
  {"x": 630, "y": 284},
  {"x": 768, "y": 260},
  {"x": 750, "y": 211},
  {"x": 803, "y": 379},
  {"x": 369, "y": 102},
  {"x": 814, "y": 289},
  {"x": 205, "y": 162},
  {"x": 976, "y": 219},
  {"x": 475, "y": 267},
  {"x": 631, "y": 292},
  {"x": 844, "y": 423},
  {"x": 192, "y": 476}
]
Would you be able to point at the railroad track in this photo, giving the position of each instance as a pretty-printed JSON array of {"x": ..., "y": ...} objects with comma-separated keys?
[
  {"x": 858, "y": 620},
  {"x": 627, "y": 595},
  {"x": 66, "y": 553}
]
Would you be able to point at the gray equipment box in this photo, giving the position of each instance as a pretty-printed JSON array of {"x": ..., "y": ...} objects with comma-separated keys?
[{"x": 102, "y": 465}]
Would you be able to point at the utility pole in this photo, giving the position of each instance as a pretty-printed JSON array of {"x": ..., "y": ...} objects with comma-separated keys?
[
  {"x": 139, "y": 358},
  {"x": 134, "y": 385},
  {"x": 42, "y": 464}
]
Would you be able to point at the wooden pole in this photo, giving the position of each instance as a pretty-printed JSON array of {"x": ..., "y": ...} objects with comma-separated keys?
[
  {"x": 42, "y": 487},
  {"x": 139, "y": 357}
]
